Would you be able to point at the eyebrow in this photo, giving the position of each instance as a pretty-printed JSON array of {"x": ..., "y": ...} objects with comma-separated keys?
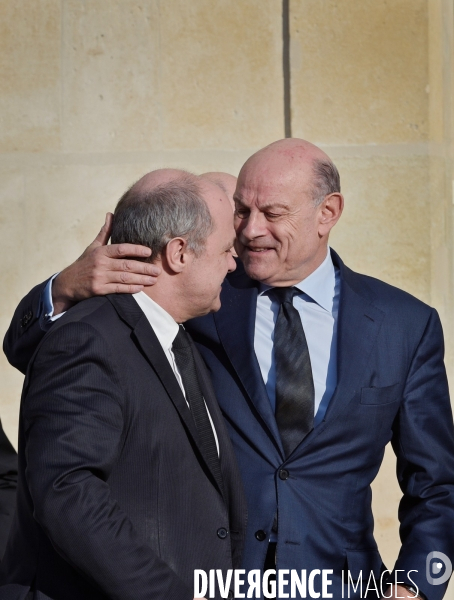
[
  {"x": 265, "y": 207},
  {"x": 275, "y": 205}
]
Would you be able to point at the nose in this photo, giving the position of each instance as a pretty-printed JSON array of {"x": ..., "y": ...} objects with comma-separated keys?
[
  {"x": 231, "y": 263},
  {"x": 251, "y": 227}
]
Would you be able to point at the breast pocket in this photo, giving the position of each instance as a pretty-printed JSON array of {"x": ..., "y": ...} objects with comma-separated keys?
[{"x": 381, "y": 395}]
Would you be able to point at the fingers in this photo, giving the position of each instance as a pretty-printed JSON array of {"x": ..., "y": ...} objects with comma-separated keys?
[
  {"x": 107, "y": 270},
  {"x": 120, "y": 288},
  {"x": 113, "y": 258},
  {"x": 123, "y": 250},
  {"x": 129, "y": 268},
  {"x": 103, "y": 236},
  {"x": 123, "y": 278},
  {"x": 120, "y": 276}
]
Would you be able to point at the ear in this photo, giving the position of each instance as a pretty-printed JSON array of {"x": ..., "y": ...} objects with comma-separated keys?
[
  {"x": 176, "y": 255},
  {"x": 330, "y": 211}
]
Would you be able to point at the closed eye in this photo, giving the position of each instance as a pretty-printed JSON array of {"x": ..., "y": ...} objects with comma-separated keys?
[{"x": 242, "y": 213}]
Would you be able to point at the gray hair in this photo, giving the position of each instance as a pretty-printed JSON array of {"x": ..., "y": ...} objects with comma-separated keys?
[
  {"x": 153, "y": 217},
  {"x": 326, "y": 180}
]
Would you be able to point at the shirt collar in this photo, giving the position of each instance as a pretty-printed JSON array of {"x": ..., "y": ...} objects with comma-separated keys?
[
  {"x": 319, "y": 285},
  {"x": 164, "y": 326}
]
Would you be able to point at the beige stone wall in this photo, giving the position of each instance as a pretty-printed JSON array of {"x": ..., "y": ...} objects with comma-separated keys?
[
  {"x": 96, "y": 92},
  {"x": 372, "y": 83}
]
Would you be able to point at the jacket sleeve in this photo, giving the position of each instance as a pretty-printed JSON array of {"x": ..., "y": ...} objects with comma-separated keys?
[
  {"x": 423, "y": 441},
  {"x": 26, "y": 329},
  {"x": 72, "y": 412},
  {"x": 8, "y": 485}
]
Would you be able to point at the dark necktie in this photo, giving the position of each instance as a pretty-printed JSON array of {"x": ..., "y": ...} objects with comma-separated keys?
[
  {"x": 185, "y": 362},
  {"x": 294, "y": 382}
]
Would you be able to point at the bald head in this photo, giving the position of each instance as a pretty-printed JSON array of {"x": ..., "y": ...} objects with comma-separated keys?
[
  {"x": 287, "y": 153},
  {"x": 225, "y": 181},
  {"x": 293, "y": 162},
  {"x": 207, "y": 184},
  {"x": 164, "y": 204},
  {"x": 292, "y": 147},
  {"x": 287, "y": 200},
  {"x": 216, "y": 198},
  {"x": 160, "y": 177}
]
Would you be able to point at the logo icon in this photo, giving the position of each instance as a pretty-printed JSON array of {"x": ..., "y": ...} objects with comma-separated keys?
[{"x": 438, "y": 568}]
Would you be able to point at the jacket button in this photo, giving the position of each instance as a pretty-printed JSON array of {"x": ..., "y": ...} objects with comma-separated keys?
[
  {"x": 284, "y": 474},
  {"x": 222, "y": 533},
  {"x": 260, "y": 535}
]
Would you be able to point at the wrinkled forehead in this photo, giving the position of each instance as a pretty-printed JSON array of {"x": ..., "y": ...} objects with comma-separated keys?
[{"x": 267, "y": 181}]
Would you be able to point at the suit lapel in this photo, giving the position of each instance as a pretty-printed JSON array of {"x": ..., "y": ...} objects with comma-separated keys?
[
  {"x": 235, "y": 324},
  {"x": 146, "y": 339},
  {"x": 358, "y": 326},
  {"x": 132, "y": 314},
  {"x": 359, "y": 322},
  {"x": 215, "y": 414}
]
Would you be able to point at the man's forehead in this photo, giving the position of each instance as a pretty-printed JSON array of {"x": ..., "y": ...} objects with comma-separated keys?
[
  {"x": 270, "y": 177},
  {"x": 271, "y": 192}
]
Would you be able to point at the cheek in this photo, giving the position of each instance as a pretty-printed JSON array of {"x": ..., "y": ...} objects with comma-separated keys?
[
  {"x": 302, "y": 233},
  {"x": 284, "y": 237},
  {"x": 210, "y": 274}
]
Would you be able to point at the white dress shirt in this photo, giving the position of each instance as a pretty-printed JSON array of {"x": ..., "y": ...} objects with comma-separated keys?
[
  {"x": 166, "y": 329},
  {"x": 318, "y": 305},
  {"x": 47, "y": 312}
]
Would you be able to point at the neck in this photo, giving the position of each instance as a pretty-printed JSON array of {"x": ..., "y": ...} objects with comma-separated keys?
[
  {"x": 168, "y": 297},
  {"x": 313, "y": 265}
]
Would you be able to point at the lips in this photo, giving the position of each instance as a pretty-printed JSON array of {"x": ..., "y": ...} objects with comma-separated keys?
[{"x": 258, "y": 250}]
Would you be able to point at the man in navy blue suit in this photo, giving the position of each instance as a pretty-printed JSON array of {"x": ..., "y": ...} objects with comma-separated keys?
[{"x": 316, "y": 369}]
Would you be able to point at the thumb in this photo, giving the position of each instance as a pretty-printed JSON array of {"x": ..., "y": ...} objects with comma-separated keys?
[
  {"x": 104, "y": 234},
  {"x": 102, "y": 238}
]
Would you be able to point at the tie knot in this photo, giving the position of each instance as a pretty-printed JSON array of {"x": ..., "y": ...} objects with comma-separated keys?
[
  {"x": 181, "y": 339},
  {"x": 285, "y": 294}
]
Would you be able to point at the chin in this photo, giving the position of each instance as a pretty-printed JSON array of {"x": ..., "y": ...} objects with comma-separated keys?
[
  {"x": 257, "y": 267},
  {"x": 216, "y": 305},
  {"x": 258, "y": 272}
]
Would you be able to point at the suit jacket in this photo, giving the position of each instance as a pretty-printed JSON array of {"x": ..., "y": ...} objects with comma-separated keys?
[
  {"x": 391, "y": 387},
  {"x": 8, "y": 485},
  {"x": 115, "y": 497}
]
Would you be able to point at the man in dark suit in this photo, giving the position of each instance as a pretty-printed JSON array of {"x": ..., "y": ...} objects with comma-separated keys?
[
  {"x": 367, "y": 368},
  {"x": 8, "y": 485},
  {"x": 128, "y": 481}
]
